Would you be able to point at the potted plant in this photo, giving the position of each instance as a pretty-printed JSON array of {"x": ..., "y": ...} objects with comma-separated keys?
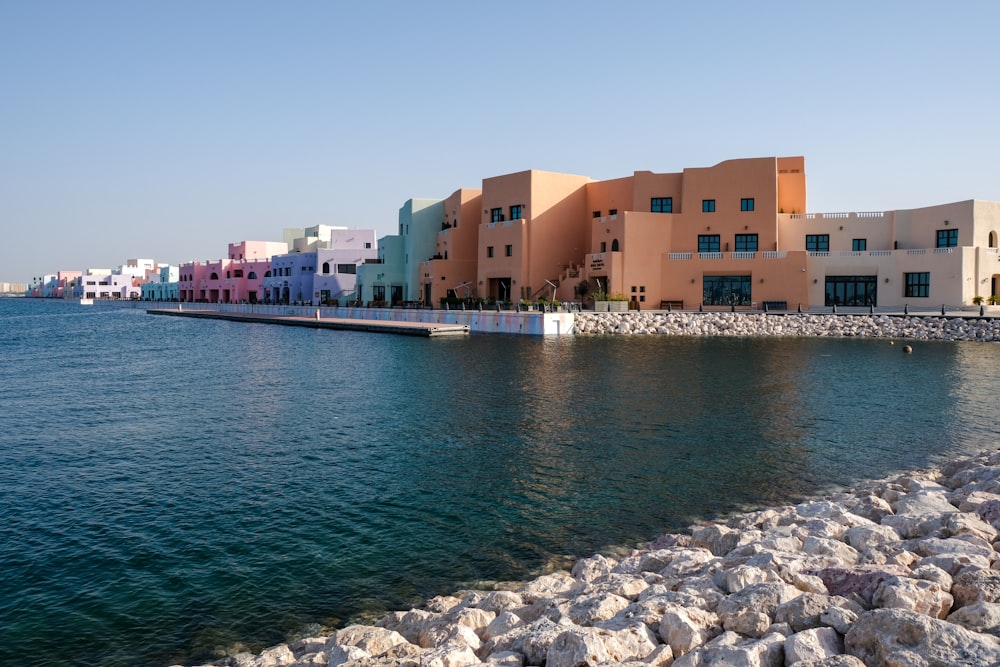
[
  {"x": 978, "y": 300},
  {"x": 618, "y": 303}
]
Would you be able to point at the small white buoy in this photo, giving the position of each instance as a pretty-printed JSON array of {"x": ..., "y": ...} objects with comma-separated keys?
[{"x": 907, "y": 349}]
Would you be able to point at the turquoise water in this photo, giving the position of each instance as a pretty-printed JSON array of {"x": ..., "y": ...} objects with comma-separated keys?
[{"x": 175, "y": 488}]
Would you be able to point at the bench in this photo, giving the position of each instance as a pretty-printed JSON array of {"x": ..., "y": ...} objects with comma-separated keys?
[{"x": 671, "y": 305}]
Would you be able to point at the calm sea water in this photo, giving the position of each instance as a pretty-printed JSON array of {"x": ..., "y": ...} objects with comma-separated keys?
[{"x": 173, "y": 488}]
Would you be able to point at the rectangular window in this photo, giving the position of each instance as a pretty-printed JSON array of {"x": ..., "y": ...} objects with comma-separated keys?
[
  {"x": 347, "y": 268},
  {"x": 746, "y": 243},
  {"x": 604, "y": 246},
  {"x": 708, "y": 243},
  {"x": 515, "y": 212},
  {"x": 597, "y": 214},
  {"x": 947, "y": 238},
  {"x": 818, "y": 242},
  {"x": 708, "y": 206},
  {"x": 859, "y": 244},
  {"x": 726, "y": 290},
  {"x": 368, "y": 244},
  {"x": 661, "y": 204},
  {"x": 612, "y": 211},
  {"x": 496, "y": 215},
  {"x": 489, "y": 251},
  {"x": 917, "y": 284},
  {"x": 851, "y": 290},
  {"x": 508, "y": 250},
  {"x": 746, "y": 204}
]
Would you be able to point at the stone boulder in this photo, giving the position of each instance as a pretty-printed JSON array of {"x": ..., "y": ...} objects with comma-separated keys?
[{"x": 899, "y": 637}]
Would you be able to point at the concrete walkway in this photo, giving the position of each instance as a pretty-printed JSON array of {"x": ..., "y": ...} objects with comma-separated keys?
[{"x": 376, "y": 326}]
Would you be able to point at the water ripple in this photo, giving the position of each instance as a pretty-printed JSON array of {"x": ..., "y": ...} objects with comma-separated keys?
[{"x": 198, "y": 487}]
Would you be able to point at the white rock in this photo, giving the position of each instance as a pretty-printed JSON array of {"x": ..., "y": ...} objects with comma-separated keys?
[
  {"x": 917, "y": 595},
  {"x": 501, "y": 625},
  {"x": 685, "y": 628},
  {"x": 548, "y": 586},
  {"x": 449, "y": 655},
  {"x": 814, "y": 644}
]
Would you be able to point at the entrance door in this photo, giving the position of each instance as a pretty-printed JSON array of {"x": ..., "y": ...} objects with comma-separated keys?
[{"x": 500, "y": 289}]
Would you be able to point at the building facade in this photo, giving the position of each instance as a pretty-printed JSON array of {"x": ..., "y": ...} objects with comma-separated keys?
[
  {"x": 736, "y": 234},
  {"x": 322, "y": 269},
  {"x": 236, "y": 279}
]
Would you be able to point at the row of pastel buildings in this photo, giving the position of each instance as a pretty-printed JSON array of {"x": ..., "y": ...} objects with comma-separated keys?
[{"x": 734, "y": 234}]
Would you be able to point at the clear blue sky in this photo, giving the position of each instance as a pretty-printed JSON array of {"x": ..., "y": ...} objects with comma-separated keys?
[{"x": 167, "y": 129}]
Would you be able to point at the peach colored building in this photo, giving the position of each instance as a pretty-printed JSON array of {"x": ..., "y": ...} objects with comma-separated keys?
[
  {"x": 451, "y": 271},
  {"x": 735, "y": 234},
  {"x": 533, "y": 228},
  {"x": 703, "y": 235}
]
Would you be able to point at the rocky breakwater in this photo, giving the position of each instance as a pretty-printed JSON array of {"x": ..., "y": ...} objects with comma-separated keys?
[
  {"x": 760, "y": 324},
  {"x": 902, "y": 571}
]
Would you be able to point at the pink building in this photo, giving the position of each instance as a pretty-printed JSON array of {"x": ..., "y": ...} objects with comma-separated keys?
[{"x": 236, "y": 279}]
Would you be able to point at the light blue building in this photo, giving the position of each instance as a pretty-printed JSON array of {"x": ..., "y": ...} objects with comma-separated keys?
[
  {"x": 396, "y": 278},
  {"x": 163, "y": 286}
]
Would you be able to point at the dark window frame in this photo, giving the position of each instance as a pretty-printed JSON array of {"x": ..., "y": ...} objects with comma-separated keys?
[
  {"x": 708, "y": 206},
  {"x": 917, "y": 284},
  {"x": 747, "y": 204},
  {"x": 742, "y": 243},
  {"x": 661, "y": 204},
  {"x": 947, "y": 238},
  {"x": 817, "y": 242},
  {"x": 706, "y": 243}
]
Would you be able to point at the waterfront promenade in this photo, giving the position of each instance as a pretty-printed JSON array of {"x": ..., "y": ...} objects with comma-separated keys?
[{"x": 317, "y": 322}]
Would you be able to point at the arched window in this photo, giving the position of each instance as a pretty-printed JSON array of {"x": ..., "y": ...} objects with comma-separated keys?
[
  {"x": 326, "y": 268},
  {"x": 214, "y": 276},
  {"x": 252, "y": 275},
  {"x": 614, "y": 246},
  {"x": 993, "y": 239}
]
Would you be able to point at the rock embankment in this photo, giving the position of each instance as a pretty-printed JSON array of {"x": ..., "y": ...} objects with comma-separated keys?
[
  {"x": 902, "y": 571},
  {"x": 760, "y": 324}
]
